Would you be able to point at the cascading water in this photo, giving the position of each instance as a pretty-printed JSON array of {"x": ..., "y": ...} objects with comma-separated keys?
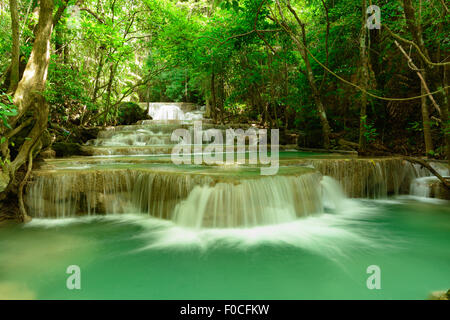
[
  {"x": 251, "y": 203},
  {"x": 202, "y": 196},
  {"x": 425, "y": 186},
  {"x": 173, "y": 111},
  {"x": 189, "y": 200},
  {"x": 375, "y": 178}
]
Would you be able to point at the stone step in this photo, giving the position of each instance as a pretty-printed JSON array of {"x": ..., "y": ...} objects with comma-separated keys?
[
  {"x": 160, "y": 128},
  {"x": 132, "y": 140},
  {"x": 177, "y": 122},
  {"x": 150, "y": 149}
]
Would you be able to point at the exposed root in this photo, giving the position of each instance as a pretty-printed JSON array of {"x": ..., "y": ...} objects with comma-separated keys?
[{"x": 23, "y": 212}]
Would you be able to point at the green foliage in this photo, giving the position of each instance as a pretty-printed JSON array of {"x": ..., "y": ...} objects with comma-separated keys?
[
  {"x": 7, "y": 109},
  {"x": 66, "y": 92},
  {"x": 415, "y": 126},
  {"x": 370, "y": 133}
]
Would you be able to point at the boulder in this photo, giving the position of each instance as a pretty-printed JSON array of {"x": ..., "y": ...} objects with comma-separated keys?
[
  {"x": 48, "y": 154},
  {"x": 68, "y": 149},
  {"x": 90, "y": 133},
  {"x": 130, "y": 113},
  {"x": 439, "y": 191},
  {"x": 439, "y": 295}
]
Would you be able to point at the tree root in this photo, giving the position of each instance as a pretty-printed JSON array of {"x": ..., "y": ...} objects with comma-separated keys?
[{"x": 23, "y": 212}]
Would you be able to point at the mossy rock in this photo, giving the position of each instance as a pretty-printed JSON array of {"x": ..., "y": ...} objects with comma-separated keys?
[
  {"x": 87, "y": 134},
  {"x": 68, "y": 149},
  {"x": 130, "y": 113}
]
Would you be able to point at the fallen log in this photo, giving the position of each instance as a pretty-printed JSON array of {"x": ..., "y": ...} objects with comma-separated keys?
[
  {"x": 424, "y": 164},
  {"x": 347, "y": 143}
]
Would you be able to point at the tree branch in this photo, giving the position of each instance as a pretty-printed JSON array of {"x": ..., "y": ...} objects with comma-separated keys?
[{"x": 430, "y": 168}]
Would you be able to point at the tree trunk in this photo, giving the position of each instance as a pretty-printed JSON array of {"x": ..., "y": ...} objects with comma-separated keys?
[
  {"x": 302, "y": 47},
  {"x": 28, "y": 96},
  {"x": 213, "y": 96},
  {"x": 445, "y": 115},
  {"x": 326, "y": 129},
  {"x": 109, "y": 92},
  {"x": 15, "y": 52},
  {"x": 426, "y": 119},
  {"x": 415, "y": 29},
  {"x": 221, "y": 94},
  {"x": 364, "y": 78},
  {"x": 35, "y": 74}
]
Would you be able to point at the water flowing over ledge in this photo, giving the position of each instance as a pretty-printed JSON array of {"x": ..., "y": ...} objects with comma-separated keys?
[
  {"x": 132, "y": 173},
  {"x": 375, "y": 178},
  {"x": 191, "y": 200},
  {"x": 217, "y": 197}
]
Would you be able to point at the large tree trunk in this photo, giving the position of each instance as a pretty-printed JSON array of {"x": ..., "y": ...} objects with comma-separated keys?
[
  {"x": 28, "y": 97},
  {"x": 15, "y": 52},
  {"x": 35, "y": 74}
]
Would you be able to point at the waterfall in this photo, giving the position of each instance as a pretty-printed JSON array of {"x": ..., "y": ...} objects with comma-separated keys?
[
  {"x": 371, "y": 178},
  {"x": 172, "y": 111},
  {"x": 427, "y": 185},
  {"x": 209, "y": 197},
  {"x": 189, "y": 200},
  {"x": 333, "y": 194},
  {"x": 254, "y": 202},
  {"x": 73, "y": 193}
]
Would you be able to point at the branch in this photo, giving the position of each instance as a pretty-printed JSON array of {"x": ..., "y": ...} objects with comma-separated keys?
[
  {"x": 93, "y": 14},
  {"x": 23, "y": 212},
  {"x": 412, "y": 43},
  {"x": 16, "y": 130},
  {"x": 425, "y": 86},
  {"x": 430, "y": 168},
  {"x": 60, "y": 12}
]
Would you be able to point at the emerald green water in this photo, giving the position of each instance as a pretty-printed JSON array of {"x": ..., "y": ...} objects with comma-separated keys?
[{"x": 323, "y": 257}]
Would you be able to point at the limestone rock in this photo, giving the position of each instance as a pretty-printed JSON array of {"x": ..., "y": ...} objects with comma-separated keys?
[
  {"x": 440, "y": 191},
  {"x": 440, "y": 295},
  {"x": 48, "y": 154},
  {"x": 66, "y": 149}
]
